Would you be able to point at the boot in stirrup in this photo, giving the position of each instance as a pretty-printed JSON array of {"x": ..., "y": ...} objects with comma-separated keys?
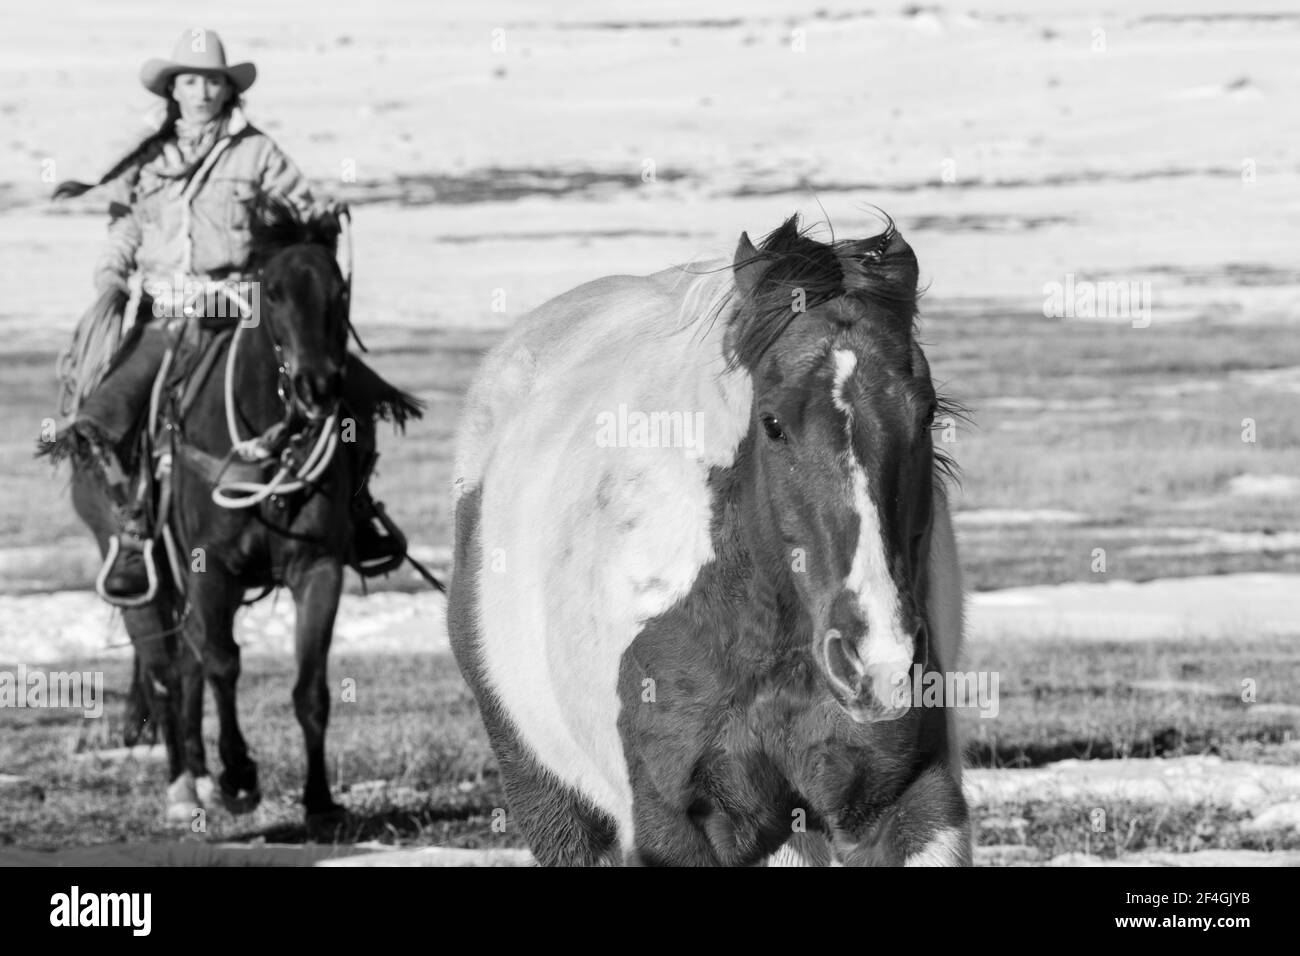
[
  {"x": 129, "y": 577},
  {"x": 378, "y": 545}
]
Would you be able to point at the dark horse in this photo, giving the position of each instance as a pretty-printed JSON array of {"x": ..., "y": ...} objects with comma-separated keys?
[
  {"x": 290, "y": 391},
  {"x": 702, "y": 550}
]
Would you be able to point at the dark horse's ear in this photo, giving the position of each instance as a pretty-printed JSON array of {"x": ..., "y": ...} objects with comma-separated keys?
[{"x": 748, "y": 266}]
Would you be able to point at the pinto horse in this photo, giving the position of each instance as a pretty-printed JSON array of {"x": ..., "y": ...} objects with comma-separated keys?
[
  {"x": 692, "y": 645},
  {"x": 279, "y": 379}
]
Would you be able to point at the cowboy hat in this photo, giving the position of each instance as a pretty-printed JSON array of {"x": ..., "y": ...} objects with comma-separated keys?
[{"x": 196, "y": 51}]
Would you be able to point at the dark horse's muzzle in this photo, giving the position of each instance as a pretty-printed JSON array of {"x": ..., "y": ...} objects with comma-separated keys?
[{"x": 316, "y": 392}]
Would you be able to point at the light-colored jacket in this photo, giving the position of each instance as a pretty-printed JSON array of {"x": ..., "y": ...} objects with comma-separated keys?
[{"x": 200, "y": 227}]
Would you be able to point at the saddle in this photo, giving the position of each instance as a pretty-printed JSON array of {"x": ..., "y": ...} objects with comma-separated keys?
[
  {"x": 186, "y": 367},
  {"x": 195, "y": 356}
]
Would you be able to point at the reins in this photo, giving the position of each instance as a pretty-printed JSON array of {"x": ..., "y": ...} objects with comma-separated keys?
[
  {"x": 288, "y": 479},
  {"x": 345, "y": 236}
]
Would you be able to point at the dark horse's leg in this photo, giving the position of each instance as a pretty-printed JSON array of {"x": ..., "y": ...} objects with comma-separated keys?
[
  {"x": 316, "y": 587},
  {"x": 137, "y": 718},
  {"x": 159, "y": 654},
  {"x": 214, "y": 597}
]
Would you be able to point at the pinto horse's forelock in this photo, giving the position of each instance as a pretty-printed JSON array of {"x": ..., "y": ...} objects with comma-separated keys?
[{"x": 797, "y": 274}]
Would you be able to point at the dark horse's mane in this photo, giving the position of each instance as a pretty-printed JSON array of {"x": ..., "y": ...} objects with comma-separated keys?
[
  {"x": 274, "y": 224},
  {"x": 880, "y": 270}
]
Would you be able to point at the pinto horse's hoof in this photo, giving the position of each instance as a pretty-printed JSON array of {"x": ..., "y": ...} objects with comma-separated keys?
[{"x": 182, "y": 800}]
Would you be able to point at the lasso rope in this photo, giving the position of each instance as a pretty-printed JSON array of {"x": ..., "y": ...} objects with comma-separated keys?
[
  {"x": 95, "y": 341},
  {"x": 246, "y": 494}
]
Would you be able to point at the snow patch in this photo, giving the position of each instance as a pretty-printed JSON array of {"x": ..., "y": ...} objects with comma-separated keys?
[
  {"x": 1210, "y": 780},
  {"x": 1265, "y": 486},
  {"x": 1232, "y": 607},
  {"x": 990, "y": 517}
]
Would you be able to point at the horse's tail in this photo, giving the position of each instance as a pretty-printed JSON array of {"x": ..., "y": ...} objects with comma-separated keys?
[
  {"x": 372, "y": 396},
  {"x": 394, "y": 405}
]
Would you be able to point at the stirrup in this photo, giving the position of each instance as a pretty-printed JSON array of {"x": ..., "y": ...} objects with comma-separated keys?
[
  {"x": 150, "y": 570},
  {"x": 394, "y": 538}
]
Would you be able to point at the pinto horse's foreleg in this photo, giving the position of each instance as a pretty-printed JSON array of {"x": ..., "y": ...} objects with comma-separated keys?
[
  {"x": 316, "y": 596},
  {"x": 929, "y": 825}
]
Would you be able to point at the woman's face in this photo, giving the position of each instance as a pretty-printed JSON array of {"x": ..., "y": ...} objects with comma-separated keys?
[{"x": 201, "y": 97}]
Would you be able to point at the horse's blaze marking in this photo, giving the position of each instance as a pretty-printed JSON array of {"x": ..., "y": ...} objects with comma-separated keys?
[
  {"x": 887, "y": 651},
  {"x": 944, "y": 849}
]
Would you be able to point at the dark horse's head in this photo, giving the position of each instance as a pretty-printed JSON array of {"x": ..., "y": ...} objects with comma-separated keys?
[
  {"x": 841, "y": 436},
  {"x": 303, "y": 302}
]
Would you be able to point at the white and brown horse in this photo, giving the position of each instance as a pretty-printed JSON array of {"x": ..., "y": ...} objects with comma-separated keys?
[{"x": 701, "y": 542}]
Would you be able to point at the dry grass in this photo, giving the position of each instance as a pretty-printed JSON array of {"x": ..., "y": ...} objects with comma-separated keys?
[
  {"x": 414, "y": 726},
  {"x": 1062, "y": 699},
  {"x": 414, "y": 729}
]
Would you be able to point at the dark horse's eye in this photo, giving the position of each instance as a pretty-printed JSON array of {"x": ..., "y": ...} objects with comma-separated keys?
[
  {"x": 773, "y": 428},
  {"x": 929, "y": 416}
]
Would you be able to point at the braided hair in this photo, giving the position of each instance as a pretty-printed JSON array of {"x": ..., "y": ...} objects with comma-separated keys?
[{"x": 71, "y": 188}]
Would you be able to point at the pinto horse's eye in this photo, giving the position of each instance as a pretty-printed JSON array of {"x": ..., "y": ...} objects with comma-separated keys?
[{"x": 773, "y": 428}]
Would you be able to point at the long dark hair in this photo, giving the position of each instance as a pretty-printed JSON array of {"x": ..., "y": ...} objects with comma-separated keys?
[{"x": 71, "y": 188}]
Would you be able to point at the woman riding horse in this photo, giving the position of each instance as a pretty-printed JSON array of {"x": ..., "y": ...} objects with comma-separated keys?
[{"x": 180, "y": 215}]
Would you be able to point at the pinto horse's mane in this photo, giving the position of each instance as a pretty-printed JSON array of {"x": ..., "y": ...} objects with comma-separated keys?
[{"x": 880, "y": 270}]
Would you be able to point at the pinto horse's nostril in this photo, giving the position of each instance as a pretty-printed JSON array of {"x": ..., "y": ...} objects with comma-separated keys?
[
  {"x": 868, "y": 693},
  {"x": 842, "y": 663}
]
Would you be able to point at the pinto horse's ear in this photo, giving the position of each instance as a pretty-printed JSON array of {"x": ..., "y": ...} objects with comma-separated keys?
[
  {"x": 888, "y": 257},
  {"x": 748, "y": 266}
]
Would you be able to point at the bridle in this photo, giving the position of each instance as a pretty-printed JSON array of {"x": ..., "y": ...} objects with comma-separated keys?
[{"x": 289, "y": 477}]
